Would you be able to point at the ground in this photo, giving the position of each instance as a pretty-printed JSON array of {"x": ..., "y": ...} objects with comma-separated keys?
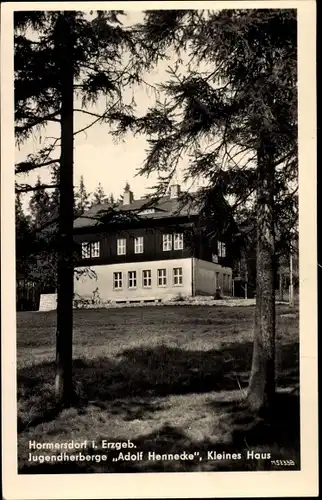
[{"x": 169, "y": 379}]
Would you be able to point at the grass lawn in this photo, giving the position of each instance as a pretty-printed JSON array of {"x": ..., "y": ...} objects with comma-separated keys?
[{"x": 169, "y": 379}]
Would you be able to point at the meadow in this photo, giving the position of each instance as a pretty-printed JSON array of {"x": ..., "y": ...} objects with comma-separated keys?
[{"x": 169, "y": 379}]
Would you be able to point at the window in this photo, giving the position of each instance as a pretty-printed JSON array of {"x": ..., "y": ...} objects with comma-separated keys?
[
  {"x": 177, "y": 276},
  {"x": 121, "y": 246},
  {"x": 167, "y": 242},
  {"x": 90, "y": 250},
  {"x": 117, "y": 280},
  {"x": 146, "y": 278},
  {"x": 132, "y": 279},
  {"x": 162, "y": 277},
  {"x": 138, "y": 245},
  {"x": 178, "y": 241},
  {"x": 221, "y": 249}
]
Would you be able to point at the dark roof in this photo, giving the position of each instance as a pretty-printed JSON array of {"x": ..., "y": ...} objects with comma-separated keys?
[{"x": 164, "y": 207}]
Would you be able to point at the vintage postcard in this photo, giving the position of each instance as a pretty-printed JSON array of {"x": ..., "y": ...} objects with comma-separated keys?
[{"x": 158, "y": 250}]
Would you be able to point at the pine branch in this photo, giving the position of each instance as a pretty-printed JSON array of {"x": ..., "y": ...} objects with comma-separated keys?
[
  {"x": 41, "y": 121},
  {"x": 26, "y": 166},
  {"x": 99, "y": 118},
  {"x": 243, "y": 199},
  {"x": 88, "y": 126},
  {"x": 87, "y": 112},
  {"x": 284, "y": 158}
]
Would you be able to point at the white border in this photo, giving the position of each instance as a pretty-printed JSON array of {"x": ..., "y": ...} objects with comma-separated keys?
[{"x": 169, "y": 485}]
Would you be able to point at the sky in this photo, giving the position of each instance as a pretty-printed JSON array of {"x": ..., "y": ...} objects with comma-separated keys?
[{"x": 96, "y": 155}]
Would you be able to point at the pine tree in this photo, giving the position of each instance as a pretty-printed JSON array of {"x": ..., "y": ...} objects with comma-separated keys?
[
  {"x": 22, "y": 220},
  {"x": 232, "y": 109},
  {"x": 126, "y": 189},
  {"x": 39, "y": 204},
  {"x": 71, "y": 59},
  {"x": 23, "y": 230},
  {"x": 99, "y": 194}
]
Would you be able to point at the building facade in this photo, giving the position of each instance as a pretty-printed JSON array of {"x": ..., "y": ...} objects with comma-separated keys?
[{"x": 149, "y": 252}]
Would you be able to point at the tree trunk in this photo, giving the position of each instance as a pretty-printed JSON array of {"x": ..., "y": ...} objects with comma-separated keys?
[
  {"x": 65, "y": 278},
  {"x": 261, "y": 388}
]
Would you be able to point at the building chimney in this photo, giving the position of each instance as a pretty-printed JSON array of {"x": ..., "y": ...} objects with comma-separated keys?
[
  {"x": 174, "y": 191},
  {"x": 128, "y": 197}
]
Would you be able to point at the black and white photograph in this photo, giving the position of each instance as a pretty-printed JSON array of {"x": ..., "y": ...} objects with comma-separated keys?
[{"x": 159, "y": 249}]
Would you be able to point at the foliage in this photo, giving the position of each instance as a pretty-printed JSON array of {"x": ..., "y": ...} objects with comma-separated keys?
[
  {"x": 127, "y": 187},
  {"x": 82, "y": 198},
  {"x": 23, "y": 237},
  {"x": 238, "y": 85},
  {"x": 22, "y": 220},
  {"x": 101, "y": 47},
  {"x": 39, "y": 204}
]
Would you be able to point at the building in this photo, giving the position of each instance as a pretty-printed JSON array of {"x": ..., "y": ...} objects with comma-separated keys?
[{"x": 149, "y": 252}]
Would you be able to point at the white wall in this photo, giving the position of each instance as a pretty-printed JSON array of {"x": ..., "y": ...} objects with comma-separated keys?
[
  {"x": 85, "y": 286},
  {"x": 48, "y": 302},
  {"x": 206, "y": 278}
]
